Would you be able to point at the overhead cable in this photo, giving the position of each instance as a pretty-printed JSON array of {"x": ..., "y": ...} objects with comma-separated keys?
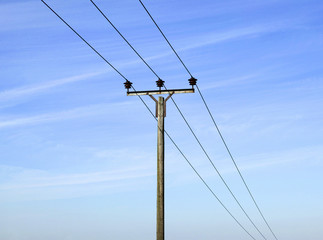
[
  {"x": 222, "y": 138},
  {"x": 154, "y": 118},
  {"x": 124, "y": 38},
  {"x": 165, "y": 38},
  {"x": 223, "y": 180}
]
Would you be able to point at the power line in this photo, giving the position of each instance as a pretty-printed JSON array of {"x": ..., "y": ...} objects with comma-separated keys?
[
  {"x": 165, "y": 38},
  {"x": 235, "y": 164},
  {"x": 201, "y": 178},
  {"x": 85, "y": 41},
  {"x": 124, "y": 39},
  {"x": 154, "y": 118},
  {"x": 116, "y": 29},
  {"x": 215, "y": 168},
  {"x": 224, "y": 142}
]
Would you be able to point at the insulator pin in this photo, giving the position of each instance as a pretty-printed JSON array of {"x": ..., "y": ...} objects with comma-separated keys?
[
  {"x": 160, "y": 83},
  {"x": 192, "y": 81},
  {"x": 127, "y": 85}
]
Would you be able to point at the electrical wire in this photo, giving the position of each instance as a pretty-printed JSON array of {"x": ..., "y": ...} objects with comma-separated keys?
[
  {"x": 124, "y": 38},
  {"x": 85, "y": 41},
  {"x": 153, "y": 117},
  {"x": 165, "y": 38},
  {"x": 215, "y": 168},
  {"x": 235, "y": 198},
  {"x": 222, "y": 138},
  {"x": 201, "y": 178},
  {"x": 235, "y": 164}
]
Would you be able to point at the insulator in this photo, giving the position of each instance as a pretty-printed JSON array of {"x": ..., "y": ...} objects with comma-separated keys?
[
  {"x": 160, "y": 83},
  {"x": 192, "y": 81},
  {"x": 127, "y": 85}
]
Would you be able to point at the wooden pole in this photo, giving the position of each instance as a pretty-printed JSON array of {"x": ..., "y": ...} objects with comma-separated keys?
[
  {"x": 160, "y": 114},
  {"x": 160, "y": 169}
]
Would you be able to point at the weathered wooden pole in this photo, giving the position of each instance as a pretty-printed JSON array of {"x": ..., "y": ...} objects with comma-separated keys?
[
  {"x": 160, "y": 169},
  {"x": 160, "y": 114}
]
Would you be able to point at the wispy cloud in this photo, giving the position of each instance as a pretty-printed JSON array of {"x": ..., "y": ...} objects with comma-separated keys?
[
  {"x": 34, "y": 89},
  {"x": 21, "y": 15},
  {"x": 59, "y": 116},
  {"x": 228, "y": 82},
  {"x": 22, "y": 184},
  {"x": 216, "y": 37},
  {"x": 25, "y": 180},
  {"x": 311, "y": 155}
]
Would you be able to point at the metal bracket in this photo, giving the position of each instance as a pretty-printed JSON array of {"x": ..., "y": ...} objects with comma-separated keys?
[
  {"x": 170, "y": 93},
  {"x": 155, "y": 100},
  {"x": 152, "y": 97}
]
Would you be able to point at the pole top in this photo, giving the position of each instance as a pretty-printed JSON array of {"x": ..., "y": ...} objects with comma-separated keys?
[{"x": 160, "y": 92}]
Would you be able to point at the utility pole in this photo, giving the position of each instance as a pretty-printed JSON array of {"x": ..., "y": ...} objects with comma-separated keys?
[
  {"x": 160, "y": 114},
  {"x": 160, "y": 169}
]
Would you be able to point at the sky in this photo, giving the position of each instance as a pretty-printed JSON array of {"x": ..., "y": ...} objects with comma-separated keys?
[{"x": 78, "y": 156}]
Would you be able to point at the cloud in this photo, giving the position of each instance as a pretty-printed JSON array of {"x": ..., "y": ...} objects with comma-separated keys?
[
  {"x": 21, "y": 15},
  {"x": 35, "y": 89},
  {"x": 310, "y": 155},
  {"x": 228, "y": 82},
  {"x": 216, "y": 37},
  {"x": 29, "y": 178},
  {"x": 21, "y": 184},
  {"x": 266, "y": 161},
  {"x": 94, "y": 109}
]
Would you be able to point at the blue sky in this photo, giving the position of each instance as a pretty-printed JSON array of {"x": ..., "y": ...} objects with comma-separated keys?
[{"x": 78, "y": 157}]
